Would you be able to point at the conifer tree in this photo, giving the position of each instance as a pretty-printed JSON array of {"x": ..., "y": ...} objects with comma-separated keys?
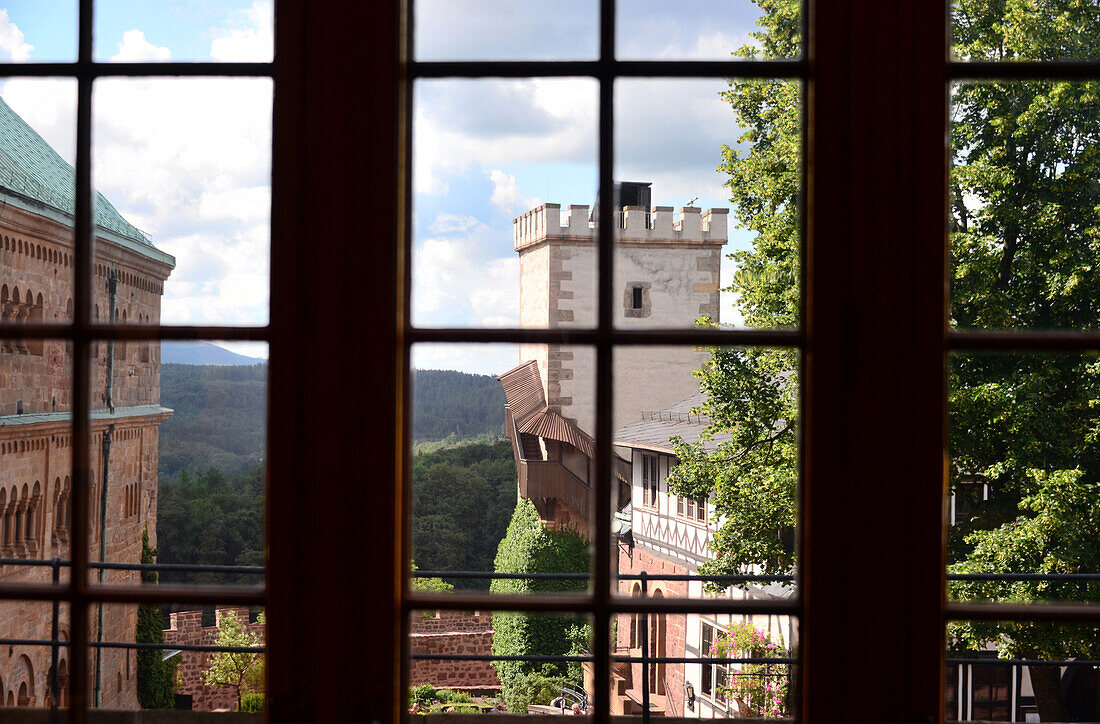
[{"x": 155, "y": 676}]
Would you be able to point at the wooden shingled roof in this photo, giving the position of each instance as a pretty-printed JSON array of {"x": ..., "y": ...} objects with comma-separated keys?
[{"x": 527, "y": 401}]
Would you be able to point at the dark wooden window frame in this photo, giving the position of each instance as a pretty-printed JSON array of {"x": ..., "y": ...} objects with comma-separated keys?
[{"x": 874, "y": 341}]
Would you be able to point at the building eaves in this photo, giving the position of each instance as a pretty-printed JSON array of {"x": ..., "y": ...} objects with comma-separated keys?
[
  {"x": 657, "y": 427},
  {"x": 34, "y": 177},
  {"x": 120, "y": 413}
]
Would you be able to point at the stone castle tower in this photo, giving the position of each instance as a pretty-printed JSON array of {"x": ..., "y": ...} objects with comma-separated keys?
[{"x": 666, "y": 276}]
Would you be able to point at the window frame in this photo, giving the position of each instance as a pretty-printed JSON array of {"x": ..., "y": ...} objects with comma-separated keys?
[{"x": 875, "y": 314}]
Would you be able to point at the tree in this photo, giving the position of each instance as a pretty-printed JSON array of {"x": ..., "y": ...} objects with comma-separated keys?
[
  {"x": 752, "y": 479},
  {"x": 155, "y": 677},
  {"x": 1025, "y": 253},
  {"x": 528, "y": 547},
  {"x": 1056, "y": 533},
  {"x": 242, "y": 671}
]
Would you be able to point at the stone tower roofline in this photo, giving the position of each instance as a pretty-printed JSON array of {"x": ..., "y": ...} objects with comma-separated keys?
[{"x": 636, "y": 224}]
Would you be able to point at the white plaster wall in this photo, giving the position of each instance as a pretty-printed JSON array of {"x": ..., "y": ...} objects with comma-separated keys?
[
  {"x": 649, "y": 378},
  {"x": 534, "y": 271},
  {"x": 674, "y": 273},
  {"x": 534, "y": 303},
  {"x": 581, "y": 263},
  {"x": 652, "y": 378},
  {"x": 581, "y": 388}
]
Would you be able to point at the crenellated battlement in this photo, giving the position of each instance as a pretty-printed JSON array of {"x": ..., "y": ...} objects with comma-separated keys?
[{"x": 661, "y": 224}]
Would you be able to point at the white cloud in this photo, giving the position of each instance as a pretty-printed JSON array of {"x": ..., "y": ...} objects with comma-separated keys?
[
  {"x": 493, "y": 123},
  {"x": 450, "y": 223},
  {"x": 12, "y": 45},
  {"x": 505, "y": 194},
  {"x": 505, "y": 29},
  {"x": 252, "y": 41},
  {"x": 186, "y": 160},
  {"x": 457, "y": 280},
  {"x": 135, "y": 48}
]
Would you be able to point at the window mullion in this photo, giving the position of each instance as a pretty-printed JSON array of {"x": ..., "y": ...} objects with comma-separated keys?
[{"x": 875, "y": 379}]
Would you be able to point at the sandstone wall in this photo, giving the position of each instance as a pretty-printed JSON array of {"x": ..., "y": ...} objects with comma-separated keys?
[
  {"x": 187, "y": 629},
  {"x": 451, "y": 632}
]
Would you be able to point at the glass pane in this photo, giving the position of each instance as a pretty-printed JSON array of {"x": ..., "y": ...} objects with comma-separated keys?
[
  {"x": 28, "y": 679},
  {"x": 1021, "y": 671},
  {"x": 746, "y": 668},
  {"x": 182, "y": 451},
  {"x": 37, "y": 188},
  {"x": 35, "y": 458},
  {"x": 502, "y": 468},
  {"x": 708, "y": 29},
  {"x": 223, "y": 30},
  {"x": 504, "y": 30},
  {"x": 184, "y": 169},
  {"x": 726, "y": 246},
  {"x": 487, "y": 250},
  {"x": 1024, "y": 492},
  {"x": 707, "y": 471},
  {"x": 1053, "y": 30},
  {"x": 1024, "y": 248},
  {"x": 39, "y": 31},
  {"x": 441, "y": 686},
  {"x": 204, "y": 681},
  {"x": 677, "y": 252}
]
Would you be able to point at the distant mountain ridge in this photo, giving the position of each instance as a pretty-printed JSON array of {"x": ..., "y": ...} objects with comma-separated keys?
[
  {"x": 202, "y": 353},
  {"x": 220, "y": 410}
]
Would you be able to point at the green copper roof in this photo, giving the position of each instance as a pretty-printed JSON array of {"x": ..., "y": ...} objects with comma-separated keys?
[{"x": 30, "y": 169}]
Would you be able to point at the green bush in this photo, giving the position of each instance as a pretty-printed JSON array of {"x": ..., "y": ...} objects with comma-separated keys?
[
  {"x": 528, "y": 547},
  {"x": 422, "y": 695},
  {"x": 535, "y": 688},
  {"x": 447, "y": 696},
  {"x": 252, "y": 702}
]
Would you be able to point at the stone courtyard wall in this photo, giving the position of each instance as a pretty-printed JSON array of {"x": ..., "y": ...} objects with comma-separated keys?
[
  {"x": 187, "y": 629},
  {"x": 452, "y": 632}
]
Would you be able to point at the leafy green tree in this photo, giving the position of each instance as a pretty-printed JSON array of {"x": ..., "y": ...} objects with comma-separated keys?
[
  {"x": 155, "y": 677},
  {"x": 242, "y": 671},
  {"x": 751, "y": 479},
  {"x": 462, "y": 499},
  {"x": 212, "y": 517},
  {"x": 528, "y": 547},
  {"x": 1025, "y": 253},
  {"x": 436, "y": 585}
]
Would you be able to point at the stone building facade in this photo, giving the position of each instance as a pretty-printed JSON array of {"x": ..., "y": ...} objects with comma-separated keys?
[
  {"x": 186, "y": 629},
  {"x": 666, "y": 275},
  {"x": 36, "y": 272}
]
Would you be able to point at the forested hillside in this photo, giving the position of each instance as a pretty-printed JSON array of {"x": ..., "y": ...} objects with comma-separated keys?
[
  {"x": 462, "y": 500},
  {"x": 211, "y": 507},
  {"x": 448, "y": 404},
  {"x": 218, "y": 421}
]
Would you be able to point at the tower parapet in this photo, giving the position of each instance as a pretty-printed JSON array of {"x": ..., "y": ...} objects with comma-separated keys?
[{"x": 661, "y": 224}]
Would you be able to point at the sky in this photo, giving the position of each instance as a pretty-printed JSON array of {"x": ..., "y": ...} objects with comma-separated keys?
[{"x": 188, "y": 160}]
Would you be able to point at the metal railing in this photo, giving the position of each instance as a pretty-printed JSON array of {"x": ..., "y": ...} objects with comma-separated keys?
[
  {"x": 55, "y": 642},
  {"x": 647, "y": 660}
]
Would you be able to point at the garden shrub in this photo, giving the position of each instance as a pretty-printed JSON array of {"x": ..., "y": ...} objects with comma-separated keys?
[
  {"x": 528, "y": 547},
  {"x": 252, "y": 702}
]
